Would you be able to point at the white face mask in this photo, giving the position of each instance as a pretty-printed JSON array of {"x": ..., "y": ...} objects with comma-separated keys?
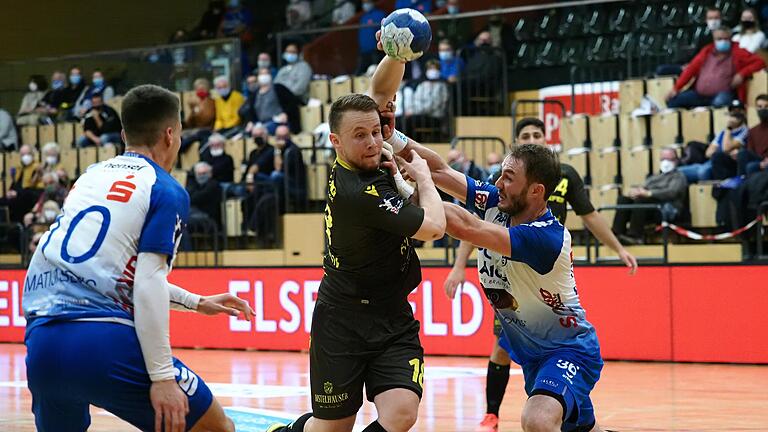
[
  {"x": 33, "y": 86},
  {"x": 433, "y": 74},
  {"x": 667, "y": 166},
  {"x": 51, "y": 160},
  {"x": 216, "y": 152},
  {"x": 49, "y": 215},
  {"x": 713, "y": 24},
  {"x": 26, "y": 159},
  {"x": 265, "y": 79}
]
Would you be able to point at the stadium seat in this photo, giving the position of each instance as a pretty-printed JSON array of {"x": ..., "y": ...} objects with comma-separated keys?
[
  {"x": 46, "y": 134},
  {"x": 657, "y": 89},
  {"x": 596, "y": 22},
  {"x": 106, "y": 152},
  {"x": 621, "y": 20},
  {"x": 696, "y": 125},
  {"x": 700, "y": 35},
  {"x": 29, "y": 135},
  {"x": 571, "y": 23},
  {"x": 116, "y": 103},
  {"x": 303, "y": 238},
  {"x": 547, "y": 26},
  {"x": 303, "y": 140},
  {"x": 180, "y": 176},
  {"x": 191, "y": 157},
  {"x": 12, "y": 160},
  {"x": 550, "y": 54},
  {"x": 730, "y": 10},
  {"x": 573, "y": 132},
  {"x": 65, "y": 134},
  {"x": 622, "y": 46},
  {"x": 318, "y": 89},
  {"x": 571, "y": 53},
  {"x": 756, "y": 86},
  {"x": 635, "y": 165},
  {"x": 525, "y": 29},
  {"x": 673, "y": 15},
  {"x": 233, "y": 217},
  {"x": 79, "y": 129},
  {"x": 665, "y": 129},
  {"x": 311, "y": 116},
  {"x": 599, "y": 49},
  {"x": 603, "y": 131},
  {"x": 697, "y": 12},
  {"x": 527, "y": 55},
  {"x": 752, "y": 118},
  {"x": 647, "y": 17},
  {"x": 577, "y": 158},
  {"x": 68, "y": 159},
  {"x": 361, "y": 84},
  {"x": 326, "y": 112},
  {"x": 340, "y": 87},
  {"x": 236, "y": 149},
  {"x": 703, "y": 206},
  {"x": 317, "y": 175},
  {"x": 86, "y": 157},
  {"x": 632, "y": 131},
  {"x": 604, "y": 165},
  {"x": 630, "y": 94},
  {"x": 606, "y": 195}
]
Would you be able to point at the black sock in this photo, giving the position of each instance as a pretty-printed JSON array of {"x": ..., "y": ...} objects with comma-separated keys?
[
  {"x": 495, "y": 386},
  {"x": 374, "y": 427},
  {"x": 298, "y": 424}
]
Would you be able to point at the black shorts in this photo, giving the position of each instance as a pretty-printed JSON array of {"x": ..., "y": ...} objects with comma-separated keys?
[{"x": 350, "y": 348}]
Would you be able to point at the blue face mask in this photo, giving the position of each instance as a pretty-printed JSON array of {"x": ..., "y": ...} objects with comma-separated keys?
[
  {"x": 445, "y": 55},
  {"x": 75, "y": 79},
  {"x": 98, "y": 82},
  {"x": 453, "y": 10},
  {"x": 367, "y": 7},
  {"x": 290, "y": 57},
  {"x": 723, "y": 45},
  {"x": 57, "y": 84}
]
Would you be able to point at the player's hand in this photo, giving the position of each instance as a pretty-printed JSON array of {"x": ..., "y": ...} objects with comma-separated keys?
[
  {"x": 417, "y": 168},
  {"x": 379, "y": 46},
  {"x": 171, "y": 406},
  {"x": 387, "y": 159},
  {"x": 224, "y": 303},
  {"x": 389, "y": 114},
  {"x": 628, "y": 260},
  {"x": 454, "y": 280}
]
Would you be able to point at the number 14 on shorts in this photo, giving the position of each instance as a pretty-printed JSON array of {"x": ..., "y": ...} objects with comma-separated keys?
[{"x": 418, "y": 371}]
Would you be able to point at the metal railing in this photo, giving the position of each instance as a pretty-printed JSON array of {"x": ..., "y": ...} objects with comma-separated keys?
[
  {"x": 762, "y": 209},
  {"x": 664, "y": 232}
]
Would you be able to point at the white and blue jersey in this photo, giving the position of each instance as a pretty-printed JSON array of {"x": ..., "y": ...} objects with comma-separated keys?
[
  {"x": 84, "y": 267},
  {"x": 544, "y": 327}
]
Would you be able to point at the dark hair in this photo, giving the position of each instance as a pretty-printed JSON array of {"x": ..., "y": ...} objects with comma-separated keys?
[
  {"x": 42, "y": 83},
  {"x": 541, "y": 165},
  {"x": 350, "y": 102},
  {"x": 762, "y": 97},
  {"x": 529, "y": 121},
  {"x": 713, "y": 8},
  {"x": 147, "y": 110}
]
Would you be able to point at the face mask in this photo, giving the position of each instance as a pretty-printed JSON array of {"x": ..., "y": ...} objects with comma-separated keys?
[
  {"x": 202, "y": 178},
  {"x": 26, "y": 159},
  {"x": 367, "y": 7},
  {"x": 445, "y": 55},
  {"x": 433, "y": 74},
  {"x": 290, "y": 57},
  {"x": 216, "y": 152},
  {"x": 74, "y": 79},
  {"x": 265, "y": 79},
  {"x": 763, "y": 114},
  {"x": 50, "y": 189},
  {"x": 723, "y": 45},
  {"x": 440, "y": 3},
  {"x": 264, "y": 64},
  {"x": 223, "y": 92},
  {"x": 51, "y": 160},
  {"x": 260, "y": 141},
  {"x": 33, "y": 86},
  {"x": 49, "y": 215},
  {"x": 747, "y": 24},
  {"x": 98, "y": 82},
  {"x": 202, "y": 94},
  {"x": 713, "y": 24},
  {"x": 57, "y": 84},
  {"x": 667, "y": 166},
  {"x": 453, "y": 10}
]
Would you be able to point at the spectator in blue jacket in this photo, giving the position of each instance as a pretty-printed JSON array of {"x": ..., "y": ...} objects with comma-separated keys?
[{"x": 367, "y": 35}]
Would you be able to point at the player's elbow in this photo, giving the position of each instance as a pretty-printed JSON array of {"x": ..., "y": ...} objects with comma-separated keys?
[{"x": 431, "y": 229}]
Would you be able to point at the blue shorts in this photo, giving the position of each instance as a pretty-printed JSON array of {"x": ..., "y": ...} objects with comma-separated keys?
[
  {"x": 74, "y": 364},
  {"x": 569, "y": 378}
]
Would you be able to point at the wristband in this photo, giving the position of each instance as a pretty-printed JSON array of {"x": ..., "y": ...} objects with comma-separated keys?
[
  {"x": 403, "y": 188},
  {"x": 398, "y": 141}
]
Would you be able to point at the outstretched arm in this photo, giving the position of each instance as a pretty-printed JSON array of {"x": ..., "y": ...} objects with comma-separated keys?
[
  {"x": 462, "y": 225},
  {"x": 386, "y": 81},
  {"x": 456, "y": 276},
  {"x": 599, "y": 227}
]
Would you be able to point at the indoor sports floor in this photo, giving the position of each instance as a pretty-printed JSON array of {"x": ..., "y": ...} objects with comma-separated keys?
[{"x": 259, "y": 387}]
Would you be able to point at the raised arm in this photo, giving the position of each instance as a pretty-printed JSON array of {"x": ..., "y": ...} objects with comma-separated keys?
[
  {"x": 433, "y": 225},
  {"x": 386, "y": 81}
]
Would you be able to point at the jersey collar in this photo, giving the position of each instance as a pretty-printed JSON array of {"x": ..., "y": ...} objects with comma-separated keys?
[{"x": 345, "y": 164}]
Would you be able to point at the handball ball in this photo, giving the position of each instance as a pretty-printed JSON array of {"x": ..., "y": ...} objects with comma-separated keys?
[{"x": 405, "y": 34}]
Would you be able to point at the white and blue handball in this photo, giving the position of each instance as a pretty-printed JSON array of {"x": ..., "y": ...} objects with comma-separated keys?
[{"x": 405, "y": 34}]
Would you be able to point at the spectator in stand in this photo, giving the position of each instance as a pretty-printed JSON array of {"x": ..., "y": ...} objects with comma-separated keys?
[
  {"x": 53, "y": 191},
  {"x": 458, "y": 161},
  {"x": 727, "y": 142},
  {"x": 714, "y": 21},
  {"x": 366, "y": 36},
  {"x": 223, "y": 165},
  {"x": 297, "y": 13},
  {"x": 32, "y": 101},
  {"x": 423, "y": 6},
  {"x": 484, "y": 69},
  {"x": 264, "y": 61},
  {"x": 295, "y": 74},
  {"x": 754, "y": 157},
  {"x": 456, "y": 30},
  {"x": 493, "y": 162},
  {"x": 451, "y": 65},
  {"x": 227, "y": 103},
  {"x": 749, "y": 37},
  {"x": 25, "y": 187},
  {"x": 98, "y": 86},
  {"x": 429, "y": 104},
  {"x": 343, "y": 11},
  {"x": 9, "y": 139},
  {"x": 51, "y": 158},
  {"x": 210, "y": 21},
  {"x": 101, "y": 125},
  {"x": 668, "y": 189},
  {"x": 204, "y": 194},
  {"x": 72, "y": 94},
  {"x": 290, "y": 173},
  {"x": 42, "y": 217},
  {"x": 261, "y": 161},
  {"x": 236, "y": 22},
  {"x": 53, "y": 98},
  {"x": 200, "y": 117},
  {"x": 720, "y": 71},
  {"x": 263, "y": 106}
]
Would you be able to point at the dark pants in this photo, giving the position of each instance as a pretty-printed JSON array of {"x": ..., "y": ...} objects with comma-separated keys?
[
  {"x": 637, "y": 218},
  {"x": 691, "y": 99},
  {"x": 669, "y": 69},
  {"x": 723, "y": 166},
  {"x": 748, "y": 162}
]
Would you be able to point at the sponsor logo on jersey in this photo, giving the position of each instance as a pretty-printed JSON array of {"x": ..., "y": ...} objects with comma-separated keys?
[
  {"x": 371, "y": 190},
  {"x": 392, "y": 204},
  {"x": 481, "y": 199}
]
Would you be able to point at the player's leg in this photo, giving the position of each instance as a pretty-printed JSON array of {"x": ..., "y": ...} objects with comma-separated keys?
[
  {"x": 397, "y": 408},
  {"x": 542, "y": 414},
  {"x": 496, "y": 380},
  {"x": 214, "y": 420}
]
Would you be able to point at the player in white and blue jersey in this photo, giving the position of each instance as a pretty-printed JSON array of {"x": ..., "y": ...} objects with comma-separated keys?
[{"x": 96, "y": 296}]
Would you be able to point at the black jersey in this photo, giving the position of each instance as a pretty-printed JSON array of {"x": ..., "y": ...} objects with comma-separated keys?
[
  {"x": 571, "y": 191},
  {"x": 368, "y": 225}
]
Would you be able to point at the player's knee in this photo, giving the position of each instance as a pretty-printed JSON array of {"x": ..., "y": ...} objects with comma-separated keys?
[
  {"x": 400, "y": 419},
  {"x": 539, "y": 421}
]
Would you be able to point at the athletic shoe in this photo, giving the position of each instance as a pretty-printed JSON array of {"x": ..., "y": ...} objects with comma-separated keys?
[
  {"x": 277, "y": 427},
  {"x": 490, "y": 423}
]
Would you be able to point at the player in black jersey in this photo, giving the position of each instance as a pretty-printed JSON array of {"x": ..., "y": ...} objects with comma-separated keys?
[
  {"x": 570, "y": 190},
  {"x": 363, "y": 329}
]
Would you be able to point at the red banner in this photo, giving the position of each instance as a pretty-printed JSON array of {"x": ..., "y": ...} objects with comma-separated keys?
[{"x": 662, "y": 313}]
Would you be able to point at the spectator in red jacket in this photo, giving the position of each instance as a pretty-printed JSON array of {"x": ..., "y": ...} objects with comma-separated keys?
[{"x": 720, "y": 71}]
